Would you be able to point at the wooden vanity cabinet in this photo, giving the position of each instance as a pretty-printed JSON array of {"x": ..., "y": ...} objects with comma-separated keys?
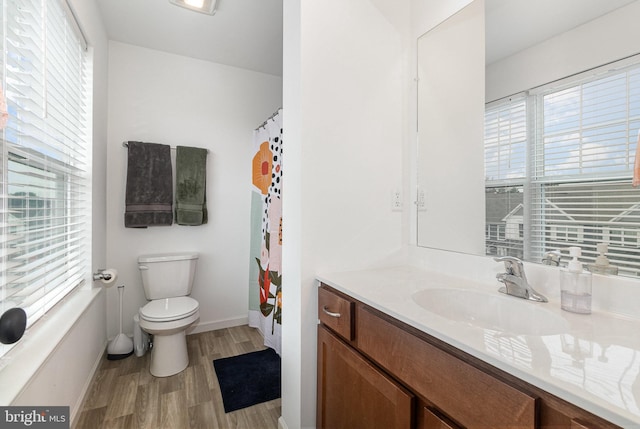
[
  {"x": 352, "y": 392},
  {"x": 377, "y": 372}
]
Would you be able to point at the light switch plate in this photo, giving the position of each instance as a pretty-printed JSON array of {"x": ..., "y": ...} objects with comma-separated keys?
[{"x": 396, "y": 200}]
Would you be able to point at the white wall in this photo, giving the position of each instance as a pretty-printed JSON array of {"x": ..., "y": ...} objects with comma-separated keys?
[
  {"x": 165, "y": 98},
  {"x": 345, "y": 104},
  {"x": 293, "y": 314},
  {"x": 609, "y": 38},
  {"x": 426, "y": 15},
  {"x": 65, "y": 374},
  {"x": 63, "y": 378}
]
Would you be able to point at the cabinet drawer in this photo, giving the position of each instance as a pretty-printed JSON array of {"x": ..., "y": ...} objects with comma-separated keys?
[
  {"x": 464, "y": 393},
  {"x": 336, "y": 312}
]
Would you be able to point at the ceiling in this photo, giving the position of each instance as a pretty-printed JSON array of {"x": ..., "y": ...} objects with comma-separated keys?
[
  {"x": 248, "y": 33},
  {"x": 513, "y": 25},
  {"x": 242, "y": 33}
]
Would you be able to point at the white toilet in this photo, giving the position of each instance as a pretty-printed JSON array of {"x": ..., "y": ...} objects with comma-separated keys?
[{"x": 167, "y": 280}]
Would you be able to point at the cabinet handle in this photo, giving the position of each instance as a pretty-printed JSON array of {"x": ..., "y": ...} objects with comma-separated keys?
[{"x": 330, "y": 313}]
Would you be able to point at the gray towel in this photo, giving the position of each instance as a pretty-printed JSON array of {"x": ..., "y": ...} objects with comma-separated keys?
[
  {"x": 149, "y": 192},
  {"x": 191, "y": 186}
]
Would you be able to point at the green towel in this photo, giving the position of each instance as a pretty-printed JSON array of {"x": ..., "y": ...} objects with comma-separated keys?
[{"x": 191, "y": 185}]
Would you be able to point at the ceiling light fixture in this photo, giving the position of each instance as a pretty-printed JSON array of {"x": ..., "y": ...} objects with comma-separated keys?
[{"x": 203, "y": 6}]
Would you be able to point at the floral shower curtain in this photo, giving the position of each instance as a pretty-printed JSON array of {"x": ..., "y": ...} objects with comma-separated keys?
[{"x": 265, "y": 276}]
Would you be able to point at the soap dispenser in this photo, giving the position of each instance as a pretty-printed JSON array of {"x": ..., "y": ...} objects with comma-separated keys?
[
  {"x": 602, "y": 265},
  {"x": 575, "y": 285}
]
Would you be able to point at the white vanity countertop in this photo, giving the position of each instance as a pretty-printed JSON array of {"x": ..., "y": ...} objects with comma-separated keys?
[{"x": 594, "y": 363}]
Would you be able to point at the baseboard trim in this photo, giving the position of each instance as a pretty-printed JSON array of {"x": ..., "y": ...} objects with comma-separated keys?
[
  {"x": 281, "y": 423},
  {"x": 218, "y": 324},
  {"x": 77, "y": 410}
]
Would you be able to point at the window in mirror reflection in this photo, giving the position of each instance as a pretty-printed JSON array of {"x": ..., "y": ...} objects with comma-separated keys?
[
  {"x": 558, "y": 167},
  {"x": 504, "y": 229}
]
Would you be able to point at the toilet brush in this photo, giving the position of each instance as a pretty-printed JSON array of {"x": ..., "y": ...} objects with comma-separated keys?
[{"x": 121, "y": 346}]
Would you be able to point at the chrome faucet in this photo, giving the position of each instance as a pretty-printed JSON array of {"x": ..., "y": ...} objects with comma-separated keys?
[
  {"x": 552, "y": 258},
  {"x": 515, "y": 281}
]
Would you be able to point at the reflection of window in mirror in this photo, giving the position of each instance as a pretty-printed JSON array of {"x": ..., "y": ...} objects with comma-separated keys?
[
  {"x": 504, "y": 209},
  {"x": 558, "y": 167}
]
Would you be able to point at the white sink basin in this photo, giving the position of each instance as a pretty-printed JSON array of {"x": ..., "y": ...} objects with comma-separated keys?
[{"x": 493, "y": 311}]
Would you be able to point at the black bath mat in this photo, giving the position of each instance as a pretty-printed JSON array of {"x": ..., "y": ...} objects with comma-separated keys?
[{"x": 248, "y": 379}]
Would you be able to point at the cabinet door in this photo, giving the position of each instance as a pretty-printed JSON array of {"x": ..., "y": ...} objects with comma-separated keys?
[{"x": 354, "y": 394}]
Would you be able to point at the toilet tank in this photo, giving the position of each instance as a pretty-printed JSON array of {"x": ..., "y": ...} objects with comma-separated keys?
[{"x": 167, "y": 275}]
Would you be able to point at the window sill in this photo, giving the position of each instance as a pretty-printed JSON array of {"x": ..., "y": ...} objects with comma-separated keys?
[{"x": 23, "y": 361}]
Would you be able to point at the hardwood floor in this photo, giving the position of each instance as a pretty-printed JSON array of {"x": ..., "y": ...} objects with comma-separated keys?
[{"x": 124, "y": 395}]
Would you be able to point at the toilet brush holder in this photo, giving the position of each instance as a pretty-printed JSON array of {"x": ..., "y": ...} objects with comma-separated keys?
[{"x": 121, "y": 346}]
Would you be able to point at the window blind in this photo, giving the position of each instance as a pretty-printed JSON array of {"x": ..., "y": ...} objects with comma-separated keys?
[
  {"x": 46, "y": 158},
  {"x": 505, "y": 136},
  {"x": 585, "y": 214},
  {"x": 588, "y": 130},
  {"x": 505, "y": 140},
  {"x": 584, "y": 156},
  {"x": 581, "y": 141}
]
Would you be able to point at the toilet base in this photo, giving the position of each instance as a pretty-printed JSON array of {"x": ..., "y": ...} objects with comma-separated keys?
[{"x": 169, "y": 354}]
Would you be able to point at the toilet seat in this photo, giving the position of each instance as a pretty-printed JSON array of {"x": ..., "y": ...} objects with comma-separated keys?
[{"x": 169, "y": 309}]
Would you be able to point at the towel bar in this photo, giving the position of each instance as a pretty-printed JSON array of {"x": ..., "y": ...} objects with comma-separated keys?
[{"x": 126, "y": 144}]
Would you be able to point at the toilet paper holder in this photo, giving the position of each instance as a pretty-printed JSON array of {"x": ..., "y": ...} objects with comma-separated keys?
[{"x": 102, "y": 274}]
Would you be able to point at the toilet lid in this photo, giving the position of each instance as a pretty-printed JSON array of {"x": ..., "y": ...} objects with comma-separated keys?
[{"x": 167, "y": 309}]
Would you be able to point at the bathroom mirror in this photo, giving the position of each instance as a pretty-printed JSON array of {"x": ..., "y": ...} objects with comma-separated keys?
[
  {"x": 580, "y": 35},
  {"x": 450, "y": 126}
]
